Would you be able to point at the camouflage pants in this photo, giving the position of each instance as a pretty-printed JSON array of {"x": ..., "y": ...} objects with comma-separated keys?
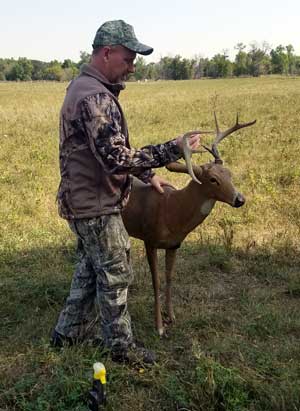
[{"x": 102, "y": 275}]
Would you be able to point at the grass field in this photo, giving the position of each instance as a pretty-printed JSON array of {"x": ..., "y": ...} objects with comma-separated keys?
[{"x": 235, "y": 345}]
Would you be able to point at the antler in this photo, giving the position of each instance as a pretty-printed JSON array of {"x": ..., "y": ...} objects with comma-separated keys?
[
  {"x": 220, "y": 135},
  {"x": 187, "y": 152}
]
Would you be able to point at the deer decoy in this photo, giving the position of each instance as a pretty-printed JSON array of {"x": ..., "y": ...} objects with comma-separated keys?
[{"x": 163, "y": 221}]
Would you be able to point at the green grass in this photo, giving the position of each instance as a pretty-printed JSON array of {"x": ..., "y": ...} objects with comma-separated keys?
[{"x": 235, "y": 343}]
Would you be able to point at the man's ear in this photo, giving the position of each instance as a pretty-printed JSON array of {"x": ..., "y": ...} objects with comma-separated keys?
[{"x": 106, "y": 53}]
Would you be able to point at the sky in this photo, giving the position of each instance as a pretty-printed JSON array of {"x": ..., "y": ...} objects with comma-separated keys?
[{"x": 60, "y": 29}]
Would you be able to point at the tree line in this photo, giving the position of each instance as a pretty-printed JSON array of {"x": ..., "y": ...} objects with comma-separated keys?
[{"x": 257, "y": 61}]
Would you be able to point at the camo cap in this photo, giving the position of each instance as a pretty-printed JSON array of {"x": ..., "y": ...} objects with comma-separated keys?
[{"x": 117, "y": 32}]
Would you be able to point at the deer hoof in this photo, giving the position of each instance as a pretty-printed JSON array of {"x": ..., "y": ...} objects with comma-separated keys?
[
  {"x": 165, "y": 335},
  {"x": 161, "y": 331},
  {"x": 170, "y": 319}
]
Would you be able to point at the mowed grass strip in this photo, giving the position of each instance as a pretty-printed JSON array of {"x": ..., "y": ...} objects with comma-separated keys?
[{"x": 235, "y": 343}]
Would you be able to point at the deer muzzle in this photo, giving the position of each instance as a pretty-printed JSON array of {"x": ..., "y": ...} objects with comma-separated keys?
[{"x": 239, "y": 200}]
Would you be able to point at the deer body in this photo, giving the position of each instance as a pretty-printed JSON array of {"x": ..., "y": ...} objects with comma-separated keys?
[{"x": 163, "y": 221}]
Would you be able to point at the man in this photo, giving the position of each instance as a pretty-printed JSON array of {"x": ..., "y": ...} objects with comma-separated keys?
[{"x": 96, "y": 162}]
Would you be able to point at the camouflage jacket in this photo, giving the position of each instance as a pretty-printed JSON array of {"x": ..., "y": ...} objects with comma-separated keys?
[{"x": 96, "y": 160}]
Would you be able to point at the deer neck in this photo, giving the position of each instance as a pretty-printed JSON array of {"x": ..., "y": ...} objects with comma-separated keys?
[{"x": 189, "y": 206}]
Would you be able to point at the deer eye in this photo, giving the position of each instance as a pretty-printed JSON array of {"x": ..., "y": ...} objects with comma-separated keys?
[{"x": 214, "y": 180}]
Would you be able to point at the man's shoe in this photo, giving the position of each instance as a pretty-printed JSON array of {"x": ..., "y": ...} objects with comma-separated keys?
[
  {"x": 58, "y": 340},
  {"x": 134, "y": 354}
]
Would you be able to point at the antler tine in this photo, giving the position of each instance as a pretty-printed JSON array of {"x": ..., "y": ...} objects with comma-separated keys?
[
  {"x": 220, "y": 135},
  {"x": 216, "y": 121},
  {"x": 187, "y": 152}
]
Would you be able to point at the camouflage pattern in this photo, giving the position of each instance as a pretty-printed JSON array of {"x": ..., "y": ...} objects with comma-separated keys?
[
  {"x": 102, "y": 276},
  {"x": 117, "y": 32},
  {"x": 102, "y": 121}
]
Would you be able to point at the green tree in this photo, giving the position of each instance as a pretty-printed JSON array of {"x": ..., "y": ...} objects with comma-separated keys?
[
  {"x": 279, "y": 60},
  {"x": 200, "y": 67},
  {"x": 258, "y": 61},
  {"x": 85, "y": 58},
  {"x": 241, "y": 61},
  {"x": 38, "y": 69},
  {"x": 67, "y": 63},
  {"x": 69, "y": 73},
  {"x": 70, "y": 70},
  {"x": 3, "y": 67},
  {"x": 220, "y": 66},
  {"x": 153, "y": 71},
  {"x": 175, "y": 68},
  {"x": 164, "y": 68},
  {"x": 140, "y": 69},
  {"x": 54, "y": 71},
  {"x": 297, "y": 65},
  {"x": 291, "y": 59},
  {"x": 21, "y": 70},
  {"x": 6, "y": 66}
]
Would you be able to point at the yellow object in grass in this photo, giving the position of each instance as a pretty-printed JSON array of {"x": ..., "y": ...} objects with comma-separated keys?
[{"x": 99, "y": 372}]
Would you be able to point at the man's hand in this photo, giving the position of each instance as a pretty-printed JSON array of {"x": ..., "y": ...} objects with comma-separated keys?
[
  {"x": 159, "y": 182},
  {"x": 194, "y": 141}
]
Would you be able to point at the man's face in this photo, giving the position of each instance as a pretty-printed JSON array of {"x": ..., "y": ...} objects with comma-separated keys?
[{"x": 120, "y": 63}]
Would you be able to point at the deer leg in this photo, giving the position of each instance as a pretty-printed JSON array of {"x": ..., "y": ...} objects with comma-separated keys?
[
  {"x": 170, "y": 263},
  {"x": 153, "y": 264}
]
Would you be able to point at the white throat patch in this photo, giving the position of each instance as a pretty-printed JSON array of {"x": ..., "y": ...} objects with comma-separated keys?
[{"x": 207, "y": 206}]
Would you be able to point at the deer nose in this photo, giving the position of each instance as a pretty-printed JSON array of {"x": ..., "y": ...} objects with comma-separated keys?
[{"x": 239, "y": 200}]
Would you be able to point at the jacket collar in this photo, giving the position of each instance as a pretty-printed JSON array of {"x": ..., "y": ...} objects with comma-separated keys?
[{"x": 115, "y": 88}]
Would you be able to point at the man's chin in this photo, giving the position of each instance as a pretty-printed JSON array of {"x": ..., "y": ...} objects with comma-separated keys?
[{"x": 120, "y": 79}]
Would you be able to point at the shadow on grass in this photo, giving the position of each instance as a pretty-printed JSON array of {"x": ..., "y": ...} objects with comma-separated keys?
[
  {"x": 36, "y": 281},
  {"x": 217, "y": 355}
]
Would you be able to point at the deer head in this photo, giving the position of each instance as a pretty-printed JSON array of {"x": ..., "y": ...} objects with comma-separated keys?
[{"x": 213, "y": 177}]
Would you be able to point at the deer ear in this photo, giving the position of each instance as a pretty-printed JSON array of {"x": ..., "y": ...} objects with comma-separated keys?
[
  {"x": 198, "y": 170},
  {"x": 177, "y": 167}
]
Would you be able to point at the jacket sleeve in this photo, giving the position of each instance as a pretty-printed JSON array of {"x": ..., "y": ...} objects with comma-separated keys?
[{"x": 102, "y": 123}]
